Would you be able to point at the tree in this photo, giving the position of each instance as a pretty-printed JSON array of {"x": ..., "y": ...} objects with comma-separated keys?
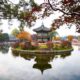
[
  {"x": 70, "y": 10},
  {"x": 24, "y": 36},
  {"x": 4, "y": 37},
  {"x": 15, "y": 32},
  {"x": 1, "y": 38},
  {"x": 31, "y": 11},
  {"x": 69, "y": 37},
  {"x": 79, "y": 38}
]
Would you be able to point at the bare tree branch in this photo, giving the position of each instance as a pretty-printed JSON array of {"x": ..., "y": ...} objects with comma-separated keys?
[{"x": 57, "y": 9}]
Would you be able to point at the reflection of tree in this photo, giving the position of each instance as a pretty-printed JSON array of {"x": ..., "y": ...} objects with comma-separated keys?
[
  {"x": 64, "y": 55},
  {"x": 42, "y": 59},
  {"x": 27, "y": 57},
  {"x": 24, "y": 55},
  {"x": 15, "y": 53},
  {"x": 4, "y": 48}
]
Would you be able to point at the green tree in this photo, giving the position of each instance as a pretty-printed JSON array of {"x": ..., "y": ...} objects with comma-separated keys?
[
  {"x": 1, "y": 38},
  {"x": 6, "y": 36},
  {"x": 15, "y": 32}
]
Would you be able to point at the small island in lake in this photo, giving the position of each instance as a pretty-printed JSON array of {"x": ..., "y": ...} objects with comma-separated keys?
[{"x": 46, "y": 40}]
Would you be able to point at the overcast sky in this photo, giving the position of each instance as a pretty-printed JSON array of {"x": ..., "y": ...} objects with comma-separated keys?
[{"x": 64, "y": 30}]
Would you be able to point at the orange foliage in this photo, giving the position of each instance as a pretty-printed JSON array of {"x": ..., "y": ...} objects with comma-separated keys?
[
  {"x": 24, "y": 35},
  {"x": 69, "y": 37}
]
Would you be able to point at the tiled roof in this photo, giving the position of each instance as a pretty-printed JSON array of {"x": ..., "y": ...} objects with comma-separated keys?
[{"x": 42, "y": 28}]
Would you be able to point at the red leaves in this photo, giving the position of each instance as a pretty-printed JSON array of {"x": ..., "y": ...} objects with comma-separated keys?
[
  {"x": 68, "y": 1},
  {"x": 36, "y": 9},
  {"x": 68, "y": 19},
  {"x": 64, "y": 42}
]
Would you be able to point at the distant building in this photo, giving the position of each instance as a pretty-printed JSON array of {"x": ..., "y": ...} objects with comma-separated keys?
[
  {"x": 42, "y": 33},
  {"x": 13, "y": 38}
]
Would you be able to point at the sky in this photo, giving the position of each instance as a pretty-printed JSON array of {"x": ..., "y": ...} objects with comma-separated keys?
[{"x": 63, "y": 30}]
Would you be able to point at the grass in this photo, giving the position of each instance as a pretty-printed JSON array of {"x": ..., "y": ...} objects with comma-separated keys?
[
  {"x": 18, "y": 48},
  {"x": 62, "y": 48},
  {"x": 43, "y": 46}
]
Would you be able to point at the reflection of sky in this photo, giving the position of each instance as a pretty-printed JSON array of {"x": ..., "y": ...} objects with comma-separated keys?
[
  {"x": 17, "y": 68},
  {"x": 65, "y": 69},
  {"x": 12, "y": 68}
]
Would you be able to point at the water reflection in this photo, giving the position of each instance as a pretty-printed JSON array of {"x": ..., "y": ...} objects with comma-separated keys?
[
  {"x": 42, "y": 59},
  {"x": 4, "y": 48},
  {"x": 21, "y": 66},
  {"x": 42, "y": 62},
  {"x": 25, "y": 56}
]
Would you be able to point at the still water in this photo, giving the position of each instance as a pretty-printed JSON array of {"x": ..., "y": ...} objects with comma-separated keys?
[{"x": 65, "y": 66}]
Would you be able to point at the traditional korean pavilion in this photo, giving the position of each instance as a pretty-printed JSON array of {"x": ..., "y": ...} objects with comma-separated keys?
[{"x": 42, "y": 33}]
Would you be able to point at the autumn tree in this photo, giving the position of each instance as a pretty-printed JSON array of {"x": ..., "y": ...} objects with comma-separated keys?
[
  {"x": 70, "y": 37},
  {"x": 15, "y": 32},
  {"x": 27, "y": 12},
  {"x": 24, "y": 36},
  {"x": 70, "y": 10}
]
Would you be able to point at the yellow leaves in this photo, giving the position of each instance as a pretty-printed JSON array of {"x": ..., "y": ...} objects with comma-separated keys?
[
  {"x": 24, "y": 35},
  {"x": 56, "y": 38},
  {"x": 69, "y": 37}
]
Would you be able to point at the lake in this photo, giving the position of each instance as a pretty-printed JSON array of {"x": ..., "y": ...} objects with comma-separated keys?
[{"x": 65, "y": 66}]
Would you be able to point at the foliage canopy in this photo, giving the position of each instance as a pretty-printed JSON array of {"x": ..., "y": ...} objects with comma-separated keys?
[{"x": 27, "y": 12}]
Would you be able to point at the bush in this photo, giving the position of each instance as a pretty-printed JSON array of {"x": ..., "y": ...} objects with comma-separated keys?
[
  {"x": 22, "y": 45},
  {"x": 33, "y": 47},
  {"x": 15, "y": 45},
  {"x": 49, "y": 44},
  {"x": 27, "y": 46},
  {"x": 66, "y": 44}
]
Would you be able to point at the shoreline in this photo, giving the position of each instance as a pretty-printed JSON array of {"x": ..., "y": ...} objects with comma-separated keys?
[{"x": 40, "y": 51}]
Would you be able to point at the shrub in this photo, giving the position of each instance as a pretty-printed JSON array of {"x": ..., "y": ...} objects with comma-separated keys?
[
  {"x": 66, "y": 44},
  {"x": 15, "y": 45},
  {"x": 22, "y": 45},
  {"x": 33, "y": 47},
  {"x": 27, "y": 46},
  {"x": 49, "y": 44}
]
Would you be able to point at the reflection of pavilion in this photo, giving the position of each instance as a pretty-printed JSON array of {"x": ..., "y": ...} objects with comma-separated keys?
[
  {"x": 42, "y": 66},
  {"x": 42, "y": 62}
]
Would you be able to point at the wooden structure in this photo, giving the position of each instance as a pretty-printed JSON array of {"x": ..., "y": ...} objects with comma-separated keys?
[{"x": 42, "y": 34}]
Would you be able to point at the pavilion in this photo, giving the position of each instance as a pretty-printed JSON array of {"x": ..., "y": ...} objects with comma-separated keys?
[{"x": 42, "y": 33}]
